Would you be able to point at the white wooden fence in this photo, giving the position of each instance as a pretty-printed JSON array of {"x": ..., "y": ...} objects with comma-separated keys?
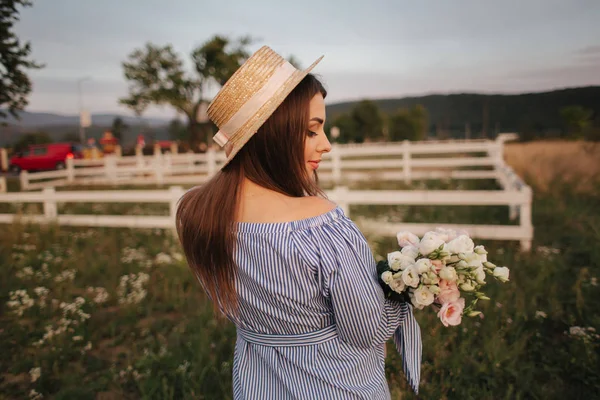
[
  {"x": 344, "y": 197},
  {"x": 394, "y": 161},
  {"x": 2, "y": 184},
  {"x": 405, "y": 161}
]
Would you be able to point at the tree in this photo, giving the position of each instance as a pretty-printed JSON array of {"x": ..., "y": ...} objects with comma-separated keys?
[
  {"x": 177, "y": 130},
  {"x": 71, "y": 137},
  {"x": 368, "y": 120},
  {"x": 409, "y": 124},
  {"x": 15, "y": 85},
  {"x": 30, "y": 139},
  {"x": 576, "y": 120},
  {"x": 119, "y": 127},
  {"x": 157, "y": 76},
  {"x": 349, "y": 132}
]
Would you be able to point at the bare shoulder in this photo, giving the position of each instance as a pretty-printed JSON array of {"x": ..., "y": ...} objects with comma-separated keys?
[{"x": 312, "y": 206}]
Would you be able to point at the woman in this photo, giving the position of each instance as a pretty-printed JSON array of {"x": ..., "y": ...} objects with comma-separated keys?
[{"x": 284, "y": 264}]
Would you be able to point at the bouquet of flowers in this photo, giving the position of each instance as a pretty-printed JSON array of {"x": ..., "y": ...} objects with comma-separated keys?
[{"x": 438, "y": 270}]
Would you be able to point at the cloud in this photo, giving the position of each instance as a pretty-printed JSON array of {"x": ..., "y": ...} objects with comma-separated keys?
[{"x": 590, "y": 50}]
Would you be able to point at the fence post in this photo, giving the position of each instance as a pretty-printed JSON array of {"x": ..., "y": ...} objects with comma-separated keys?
[
  {"x": 156, "y": 149},
  {"x": 118, "y": 151},
  {"x": 339, "y": 195},
  {"x": 110, "y": 168},
  {"x": 406, "y": 167},
  {"x": 525, "y": 217},
  {"x": 211, "y": 161},
  {"x": 174, "y": 148},
  {"x": 50, "y": 210},
  {"x": 175, "y": 194},
  {"x": 3, "y": 159},
  {"x": 168, "y": 163},
  {"x": 190, "y": 162},
  {"x": 24, "y": 180},
  {"x": 2, "y": 184},
  {"x": 70, "y": 170},
  {"x": 139, "y": 156},
  {"x": 336, "y": 164}
]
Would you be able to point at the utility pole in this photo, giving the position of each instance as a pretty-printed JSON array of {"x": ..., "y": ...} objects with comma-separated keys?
[{"x": 83, "y": 122}]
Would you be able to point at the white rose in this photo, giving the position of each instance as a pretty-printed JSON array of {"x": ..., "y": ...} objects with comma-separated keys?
[
  {"x": 448, "y": 274},
  {"x": 410, "y": 276},
  {"x": 423, "y": 296},
  {"x": 407, "y": 239},
  {"x": 398, "y": 261},
  {"x": 423, "y": 265},
  {"x": 501, "y": 273},
  {"x": 397, "y": 284},
  {"x": 473, "y": 260},
  {"x": 462, "y": 244},
  {"x": 410, "y": 251},
  {"x": 386, "y": 277},
  {"x": 467, "y": 286},
  {"x": 480, "y": 275},
  {"x": 482, "y": 258},
  {"x": 414, "y": 302},
  {"x": 446, "y": 234},
  {"x": 429, "y": 243}
]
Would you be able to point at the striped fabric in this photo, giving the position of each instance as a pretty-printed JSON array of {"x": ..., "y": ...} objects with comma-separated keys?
[{"x": 313, "y": 320}]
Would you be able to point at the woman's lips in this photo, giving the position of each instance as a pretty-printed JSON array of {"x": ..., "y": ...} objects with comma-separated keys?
[{"x": 314, "y": 164}]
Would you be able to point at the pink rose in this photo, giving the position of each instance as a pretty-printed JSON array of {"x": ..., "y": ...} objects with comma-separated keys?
[
  {"x": 436, "y": 266},
  {"x": 448, "y": 292},
  {"x": 451, "y": 313}
]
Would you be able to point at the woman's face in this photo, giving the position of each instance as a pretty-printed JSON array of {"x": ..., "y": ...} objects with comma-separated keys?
[{"x": 316, "y": 141}]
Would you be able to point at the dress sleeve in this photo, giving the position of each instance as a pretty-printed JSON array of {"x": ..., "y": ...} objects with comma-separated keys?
[{"x": 348, "y": 278}]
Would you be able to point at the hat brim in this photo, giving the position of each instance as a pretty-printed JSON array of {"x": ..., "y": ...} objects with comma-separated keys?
[{"x": 259, "y": 118}]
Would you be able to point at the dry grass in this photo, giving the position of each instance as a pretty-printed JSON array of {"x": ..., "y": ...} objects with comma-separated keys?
[{"x": 544, "y": 163}]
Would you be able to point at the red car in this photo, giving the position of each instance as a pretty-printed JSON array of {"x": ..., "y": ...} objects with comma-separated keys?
[{"x": 45, "y": 157}]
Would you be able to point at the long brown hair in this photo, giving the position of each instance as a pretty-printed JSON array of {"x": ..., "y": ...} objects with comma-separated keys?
[{"x": 273, "y": 158}]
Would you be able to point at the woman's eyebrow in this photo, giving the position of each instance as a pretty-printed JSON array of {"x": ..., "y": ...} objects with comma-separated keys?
[{"x": 319, "y": 120}]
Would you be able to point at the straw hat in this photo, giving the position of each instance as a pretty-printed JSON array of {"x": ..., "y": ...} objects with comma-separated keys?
[{"x": 251, "y": 96}]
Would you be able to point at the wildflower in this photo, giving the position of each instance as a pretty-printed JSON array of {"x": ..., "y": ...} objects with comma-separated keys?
[
  {"x": 100, "y": 294},
  {"x": 35, "y": 374}
]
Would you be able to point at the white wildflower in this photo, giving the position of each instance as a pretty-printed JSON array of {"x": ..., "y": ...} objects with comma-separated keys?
[
  {"x": 183, "y": 368},
  {"x": 100, "y": 294},
  {"x": 66, "y": 275},
  {"x": 20, "y": 301},
  {"x": 35, "y": 374},
  {"x": 163, "y": 258},
  {"x": 131, "y": 288},
  {"x": 540, "y": 314}
]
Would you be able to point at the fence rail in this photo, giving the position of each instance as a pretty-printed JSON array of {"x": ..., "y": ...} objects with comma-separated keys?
[
  {"x": 340, "y": 165},
  {"x": 344, "y": 197}
]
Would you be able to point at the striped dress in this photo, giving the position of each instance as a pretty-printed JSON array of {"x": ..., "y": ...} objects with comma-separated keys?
[{"x": 312, "y": 320}]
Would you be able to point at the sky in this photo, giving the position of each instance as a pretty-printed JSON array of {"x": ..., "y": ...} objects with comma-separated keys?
[{"x": 373, "y": 49}]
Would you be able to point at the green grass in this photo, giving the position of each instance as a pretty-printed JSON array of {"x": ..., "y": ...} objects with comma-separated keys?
[{"x": 169, "y": 345}]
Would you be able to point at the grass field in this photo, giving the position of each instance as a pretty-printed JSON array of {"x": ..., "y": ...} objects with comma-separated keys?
[{"x": 115, "y": 314}]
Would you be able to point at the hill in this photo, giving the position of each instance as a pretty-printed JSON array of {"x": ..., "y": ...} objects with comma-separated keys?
[
  {"x": 539, "y": 111},
  {"x": 28, "y": 119}
]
